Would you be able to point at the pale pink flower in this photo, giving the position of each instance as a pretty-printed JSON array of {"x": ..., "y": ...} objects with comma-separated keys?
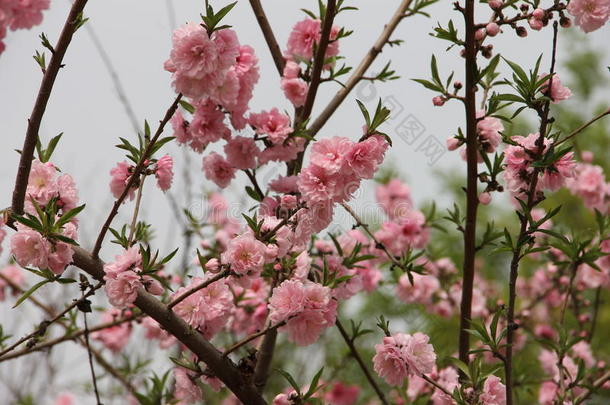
[
  {"x": 341, "y": 394},
  {"x": 185, "y": 389},
  {"x": 448, "y": 379},
  {"x": 395, "y": 198},
  {"x": 589, "y": 183},
  {"x": 122, "y": 288},
  {"x": 41, "y": 182},
  {"x": 28, "y": 13},
  {"x": 364, "y": 157},
  {"x": 558, "y": 91},
  {"x": 67, "y": 192},
  {"x": 285, "y": 152},
  {"x": 424, "y": 286},
  {"x": 120, "y": 175},
  {"x": 207, "y": 126},
  {"x": 547, "y": 393},
  {"x": 316, "y": 184},
  {"x": 291, "y": 70},
  {"x": 331, "y": 153},
  {"x": 180, "y": 127},
  {"x": 295, "y": 90},
  {"x": 242, "y": 152},
  {"x": 115, "y": 337},
  {"x": 590, "y": 14},
  {"x": 301, "y": 41},
  {"x": 65, "y": 399},
  {"x": 401, "y": 355},
  {"x": 319, "y": 313},
  {"x": 30, "y": 248},
  {"x": 494, "y": 392},
  {"x": 218, "y": 170},
  {"x": 582, "y": 350},
  {"x": 245, "y": 254},
  {"x": 489, "y": 130},
  {"x": 288, "y": 299},
  {"x": 271, "y": 123},
  {"x": 164, "y": 172}
]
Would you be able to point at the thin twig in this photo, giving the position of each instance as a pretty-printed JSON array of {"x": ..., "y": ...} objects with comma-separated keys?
[
  {"x": 583, "y": 127},
  {"x": 136, "y": 211},
  {"x": 135, "y": 175},
  {"x": 350, "y": 344},
  {"x": 90, "y": 357},
  {"x": 596, "y": 385},
  {"x": 360, "y": 70},
  {"x": 253, "y": 336},
  {"x": 201, "y": 286},
  {"x": 46, "y": 86}
]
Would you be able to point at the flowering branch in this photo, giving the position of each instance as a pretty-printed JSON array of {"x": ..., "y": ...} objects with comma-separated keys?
[
  {"x": 253, "y": 336},
  {"x": 201, "y": 286},
  {"x": 584, "y": 126},
  {"x": 134, "y": 176},
  {"x": 44, "y": 93}
]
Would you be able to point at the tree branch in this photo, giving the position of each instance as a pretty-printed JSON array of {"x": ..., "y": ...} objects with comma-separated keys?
[
  {"x": 263, "y": 22},
  {"x": 44, "y": 93}
]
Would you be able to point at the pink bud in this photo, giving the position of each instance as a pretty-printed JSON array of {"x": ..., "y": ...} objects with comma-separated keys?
[
  {"x": 289, "y": 201},
  {"x": 213, "y": 265},
  {"x": 438, "y": 101},
  {"x": 538, "y": 14},
  {"x": 277, "y": 266},
  {"x": 495, "y": 4},
  {"x": 535, "y": 24},
  {"x": 453, "y": 143},
  {"x": 485, "y": 198},
  {"x": 492, "y": 29},
  {"x": 480, "y": 34},
  {"x": 586, "y": 156}
]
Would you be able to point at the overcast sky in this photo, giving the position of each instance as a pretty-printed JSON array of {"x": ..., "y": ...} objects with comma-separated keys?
[{"x": 136, "y": 35}]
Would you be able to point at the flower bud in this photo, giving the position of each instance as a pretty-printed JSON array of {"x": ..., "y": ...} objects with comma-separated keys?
[
  {"x": 453, "y": 143},
  {"x": 479, "y": 34},
  {"x": 212, "y": 265},
  {"x": 535, "y": 24},
  {"x": 521, "y": 31},
  {"x": 538, "y": 14},
  {"x": 495, "y": 4},
  {"x": 492, "y": 29},
  {"x": 485, "y": 198},
  {"x": 438, "y": 101}
]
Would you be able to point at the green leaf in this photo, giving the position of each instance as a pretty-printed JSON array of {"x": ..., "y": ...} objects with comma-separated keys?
[{"x": 29, "y": 292}]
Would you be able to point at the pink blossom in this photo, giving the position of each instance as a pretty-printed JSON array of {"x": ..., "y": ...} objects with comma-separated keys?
[
  {"x": 208, "y": 309},
  {"x": 207, "y": 126},
  {"x": 282, "y": 153},
  {"x": 271, "y": 123},
  {"x": 535, "y": 24},
  {"x": 316, "y": 184},
  {"x": 30, "y": 248},
  {"x": 395, "y": 198},
  {"x": 291, "y": 70},
  {"x": 365, "y": 156},
  {"x": 558, "y": 91},
  {"x": 284, "y": 184},
  {"x": 120, "y": 175},
  {"x": 341, "y": 394},
  {"x": 547, "y": 393},
  {"x": 27, "y": 13},
  {"x": 301, "y": 41},
  {"x": 330, "y": 153},
  {"x": 494, "y": 392},
  {"x": 295, "y": 90},
  {"x": 589, "y": 183},
  {"x": 590, "y": 14},
  {"x": 424, "y": 286},
  {"x": 65, "y": 399},
  {"x": 217, "y": 169},
  {"x": 489, "y": 129},
  {"x": 164, "y": 172},
  {"x": 180, "y": 127},
  {"x": 41, "y": 182},
  {"x": 67, "y": 192},
  {"x": 288, "y": 299},
  {"x": 453, "y": 143},
  {"x": 186, "y": 390},
  {"x": 241, "y": 152},
  {"x": 401, "y": 355},
  {"x": 438, "y": 101},
  {"x": 115, "y": 337},
  {"x": 448, "y": 379},
  {"x": 122, "y": 288},
  {"x": 245, "y": 255},
  {"x": 319, "y": 313},
  {"x": 485, "y": 198},
  {"x": 247, "y": 71}
]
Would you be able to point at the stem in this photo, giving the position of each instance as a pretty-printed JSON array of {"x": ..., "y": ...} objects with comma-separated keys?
[
  {"x": 263, "y": 359},
  {"x": 253, "y": 336},
  {"x": 471, "y": 182},
  {"x": 48, "y": 80},
  {"x": 97, "y": 394},
  {"x": 350, "y": 344},
  {"x": 596, "y": 385},
  {"x": 263, "y": 22},
  {"x": 193, "y": 290},
  {"x": 135, "y": 175},
  {"x": 361, "y": 70},
  {"x": 584, "y": 126},
  {"x": 514, "y": 265},
  {"x": 136, "y": 211}
]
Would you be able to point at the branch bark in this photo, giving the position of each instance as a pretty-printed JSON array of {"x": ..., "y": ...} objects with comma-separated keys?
[
  {"x": 44, "y": 93},
  {"x": 263, "y": 22}
]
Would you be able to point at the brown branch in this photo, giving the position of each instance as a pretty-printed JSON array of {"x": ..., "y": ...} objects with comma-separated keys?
[
  {"x": 44, "y": 93},
  {"x": 253, "y": 336},
  {"x": 264, "y": 357},
  {"x": 45, "y": 324},
  {"x": 319, "y": 61},
  {"x": 472, "y": 150},
  {"x": 596, "y": 385},
  {"x": 361, "y": 70},
  {"x": 532, "y": 200},
  {"x": 350, "y": 344},
  {"x": 220, "y": 366},
  {"x": 263, "y": 22},
  {"x": 135, "y": 175},
  {"x": 583, "y": 127}
]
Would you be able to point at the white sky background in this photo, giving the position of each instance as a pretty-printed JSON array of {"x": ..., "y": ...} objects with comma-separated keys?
[{"x": 136, "y": 34}]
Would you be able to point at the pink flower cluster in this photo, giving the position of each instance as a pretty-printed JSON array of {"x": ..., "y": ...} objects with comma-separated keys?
[
  {"x": 45, "y": 183},
  {"x": 124, "y": 278},
  {"x": 307, "y": 308},
  {"x": 342, "y": 394},
  {"x": 337, "y": 166},
  {"x": 208, "y": 309},
  {"x": 401, "y": 355},
  {"x": 489, "y": 132},
  {"x": 20, "y": 14},
  {"x": 559, "y": 92},
  {"x": 518, "y": 169},
  {"x": 589, "y": 183},
  {"x": 590, "y": 15},
  {"x": 120, "y": 175},
  {"x": 406, "y": 226}
]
